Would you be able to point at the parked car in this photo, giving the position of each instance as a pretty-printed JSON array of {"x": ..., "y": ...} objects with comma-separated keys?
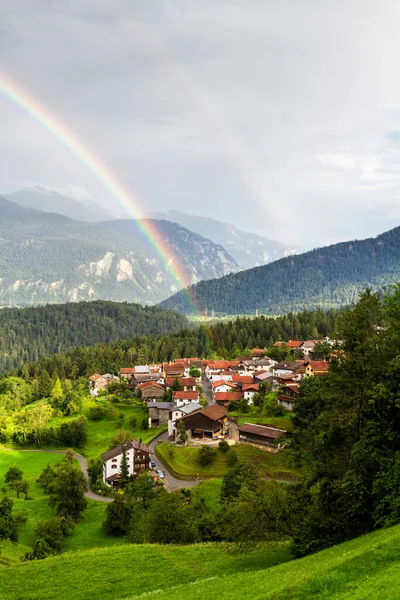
[
  {"x": 160, "y": 474},
  {"x": 153, "y": 464}
]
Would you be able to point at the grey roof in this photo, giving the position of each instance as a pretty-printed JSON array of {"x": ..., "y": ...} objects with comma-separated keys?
[
  {"x": 162, "y": 405},
  {"x": 128, "y": 445},
  {"x": 263, "y": 376},
  {"x": 142, "y": 369},
  {"x": 188, "y": 408},
  {"x": 288, "y": 366}
]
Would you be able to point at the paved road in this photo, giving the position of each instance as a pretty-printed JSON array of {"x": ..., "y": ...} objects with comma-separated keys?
[
  {"x": 172, "y": 482},
  {"x": 83, "y": 464},
  {"x": 207, "y": 390}
]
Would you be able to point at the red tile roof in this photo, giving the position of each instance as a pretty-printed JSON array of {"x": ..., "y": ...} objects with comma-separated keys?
[
  {"x": 242, "y": 378},
  {"x": 180, "y": 395},
  {"x": 250, "y": 386},
  {"x": 258, "y": 351},
  {"x": 319, "y": 365},
  {"x": 221, "y": 382},
  {"x": 213, "y": 412},
  {"x": 148, "y": 384},
  {"x": 294, "y": 344},
  {"x": 228, "y": 396},
  {"x": 127, "y": 371}
]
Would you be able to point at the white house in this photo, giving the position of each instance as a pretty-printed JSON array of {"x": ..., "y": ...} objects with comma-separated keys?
[
  {"x": 138, "y": 458},
  {"x": 100, "y": 382},
  {"x": 249, "y": 391},
  {"x": 182, "y": 398},
  {"x": 221, "y": 386},
  {"x": 177, "y": 413}
]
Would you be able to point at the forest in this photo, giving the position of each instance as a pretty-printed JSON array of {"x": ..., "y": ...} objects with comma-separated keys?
[
  {"x": 326, "y": 277},
  {"x": 222, "y": 340},
  {"x": 27, "y": 334}
]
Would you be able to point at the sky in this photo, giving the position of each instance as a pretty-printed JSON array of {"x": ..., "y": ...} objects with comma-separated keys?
[{"x": 282, "y": 118}]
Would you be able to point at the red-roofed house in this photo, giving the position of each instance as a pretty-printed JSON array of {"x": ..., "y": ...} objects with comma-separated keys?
[
  {"x": 258, "y": 352},
  {"x": 127, "y": 373},
  {"x": 221, "y": 386},
  {"x": 249, "y": 391},
  {"x": 319, "y": 367},
  {"x": 151, "y": 390},
  {"x": 181, "y": 397},
  {"x": 224, "y": 398}
]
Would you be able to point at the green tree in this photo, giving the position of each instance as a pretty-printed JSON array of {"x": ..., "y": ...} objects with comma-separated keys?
[
  {"x": 67, "y": 490},
  {"x": 119, "y": 515},
  {"x": 9, "y": 523},
  {"x": 206, "y": 456},
  {"x": 181, "y": 431},
  {"x": 124, "y": 469},
  {"x": 21, "y": 487},
  {"x": 57, "y": 391},
  {"x": 13, "y": 475}
]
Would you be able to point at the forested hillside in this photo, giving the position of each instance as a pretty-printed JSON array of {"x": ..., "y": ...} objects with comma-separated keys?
[
  {"x": 326, "y": 277},
  {"x": 27, "y": 334},
  {"x": 224, "y": 340}
]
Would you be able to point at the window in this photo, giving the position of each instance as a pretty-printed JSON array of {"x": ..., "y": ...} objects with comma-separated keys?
[{"x": 113, "y": 466}]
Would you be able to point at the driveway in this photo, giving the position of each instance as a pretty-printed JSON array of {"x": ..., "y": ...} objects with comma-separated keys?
[
  {"x": 173, "y": 483},
  {"x": 207, "y": 390}
]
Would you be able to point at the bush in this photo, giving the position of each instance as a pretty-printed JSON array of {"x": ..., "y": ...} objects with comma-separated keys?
[
  {"x": 133, "y": 421},
  {"x": 223, "y": 446},
  {"x": 122, "y": 436},
  {"x": 232, "y": 458},
  {"x": 145, "y": 423},
  {"x": 206, "y": 456},
  {"x": 96, "y": 413}
]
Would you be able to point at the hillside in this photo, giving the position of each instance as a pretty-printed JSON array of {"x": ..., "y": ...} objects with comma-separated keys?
[
  {"x": 30, "y": 333},
  {"x": 46, "y": 200},
  {"x": 366, "y": 567},
  {"x": 248, "y": 249},
  {"x": 48, "y": 258},
  {"x": 325, "y": 277}
]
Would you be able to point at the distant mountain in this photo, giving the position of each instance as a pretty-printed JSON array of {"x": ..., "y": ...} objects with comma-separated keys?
[
  {"x": 326, "y": 277},
  {"x": 47, "y": 258},
  {"x": 248, "y": 249},
  {"x": 50, "y": 201}
]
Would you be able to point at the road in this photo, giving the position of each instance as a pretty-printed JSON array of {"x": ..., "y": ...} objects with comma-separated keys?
[
  {"x": 207, "y": 390},
  {"x": 83, "y": 465},
  {"x": 173, "y": 483}
]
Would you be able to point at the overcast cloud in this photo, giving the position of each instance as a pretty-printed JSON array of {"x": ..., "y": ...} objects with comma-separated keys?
[{"x": 280, "y": 117}]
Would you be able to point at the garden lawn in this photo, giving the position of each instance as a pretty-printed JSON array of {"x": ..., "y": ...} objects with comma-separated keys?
[
  {"x": 130, "y": 570},
  {"x": 184, "y": 461}
]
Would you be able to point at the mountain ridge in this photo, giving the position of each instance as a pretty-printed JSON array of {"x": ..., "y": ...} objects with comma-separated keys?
[
  {"x": 248, "y": 249},
  {"x": 331, "y": 276},
  {"x": 47, "y": 257}
]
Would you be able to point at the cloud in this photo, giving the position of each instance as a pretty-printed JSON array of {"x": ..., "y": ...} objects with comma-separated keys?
[{"x": 282, "y": 117}]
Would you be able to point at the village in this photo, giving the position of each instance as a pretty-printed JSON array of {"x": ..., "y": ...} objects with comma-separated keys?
[{"x": 192, "y": 399}]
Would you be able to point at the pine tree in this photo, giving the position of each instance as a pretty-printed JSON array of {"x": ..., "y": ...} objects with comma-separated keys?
[{"x": 124, "y": 469}]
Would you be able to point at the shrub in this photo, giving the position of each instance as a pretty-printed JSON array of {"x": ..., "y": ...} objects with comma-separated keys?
[
  {"x": 206, "y": 456},
  {"x": 223, "y": 446},
  {"x": 232, "y": 458},
  {"x": 96, "y": 413},
  {"x": 145, "y": 423},
  {"x": 133, "y": 421}
]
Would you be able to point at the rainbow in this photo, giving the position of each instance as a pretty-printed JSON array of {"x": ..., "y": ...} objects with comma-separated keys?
[{"x": 20, "y": 98}]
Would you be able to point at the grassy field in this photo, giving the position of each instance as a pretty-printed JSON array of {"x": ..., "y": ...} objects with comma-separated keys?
[
  {"x": 100, "y": 433},
  {"x": 87, "y": 534},
  {"x": 210, "y": 492},
  {"x": 363, "y": 569},
  {"x": 130, "y": 570},
  {"x": 184, "y": 461}
]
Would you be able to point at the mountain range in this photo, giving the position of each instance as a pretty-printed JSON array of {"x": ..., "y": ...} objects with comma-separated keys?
[
  {"x": 47, "y": 257},
  {"x": 51, "y": 201},
  {"x": 326, "y": 277},
  {"x": 248, "y": 249}
]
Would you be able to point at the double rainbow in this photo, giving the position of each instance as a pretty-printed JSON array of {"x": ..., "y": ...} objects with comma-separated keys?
[{"x": 20, "y": 98}]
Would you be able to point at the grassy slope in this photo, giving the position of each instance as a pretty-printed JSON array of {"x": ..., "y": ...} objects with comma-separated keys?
[
  {"x": 110, "y": 574},
  {"x": 365, "y": 568},
  {"x": 184, "y": 461},
  {"x": 87, "y": 533}
]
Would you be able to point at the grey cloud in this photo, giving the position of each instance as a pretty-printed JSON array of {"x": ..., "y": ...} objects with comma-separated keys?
[{"x": 276, "y": 116}]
